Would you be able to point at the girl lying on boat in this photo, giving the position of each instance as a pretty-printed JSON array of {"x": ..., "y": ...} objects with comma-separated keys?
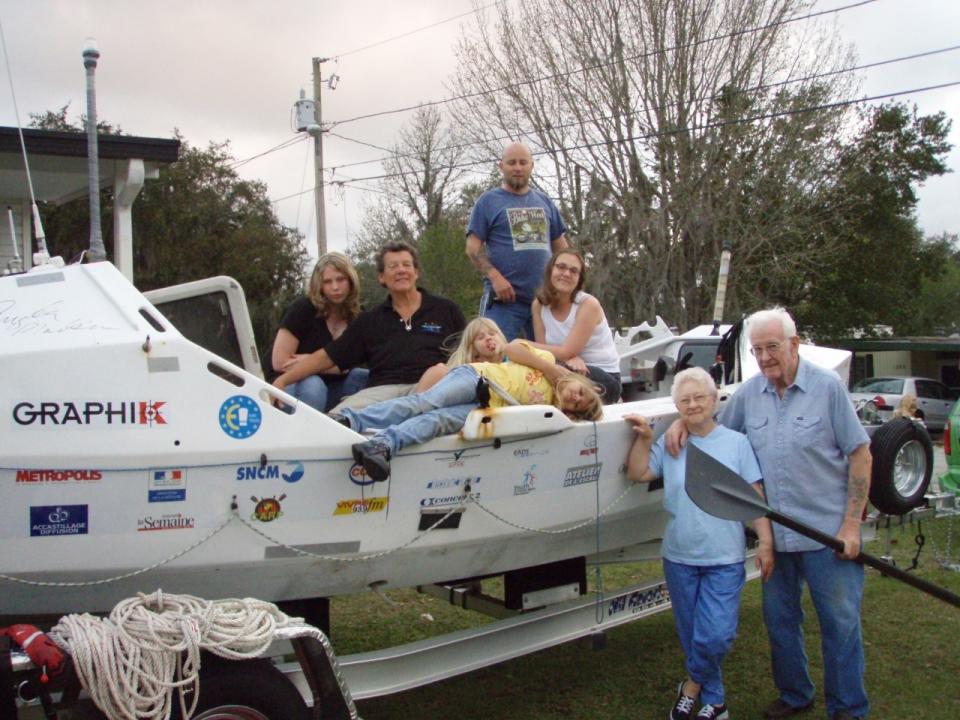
[
  {"x": 481, "y": 341},
  {"x": 531, "y": 377}
]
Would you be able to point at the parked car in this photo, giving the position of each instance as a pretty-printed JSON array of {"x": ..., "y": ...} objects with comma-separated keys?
[
  {"x": 934, "y": 399},
  {"x": 950, "y": 480}
]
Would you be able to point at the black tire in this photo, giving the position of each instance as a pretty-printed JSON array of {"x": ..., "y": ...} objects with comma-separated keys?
[
  {"x": 902, "y": 466},
  {"x": 245, "y": 690}
]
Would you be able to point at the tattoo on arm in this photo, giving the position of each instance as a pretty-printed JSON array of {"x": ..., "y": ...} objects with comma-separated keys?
[
  {"x": 480, "y": 260},
  {"x": 856, "y": 495}
]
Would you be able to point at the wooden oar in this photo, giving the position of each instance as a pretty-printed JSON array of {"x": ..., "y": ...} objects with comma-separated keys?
[{"x": 719, "y": 491}]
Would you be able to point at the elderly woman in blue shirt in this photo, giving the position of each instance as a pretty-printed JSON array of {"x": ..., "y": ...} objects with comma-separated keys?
[{"x": 703, "y": 556}]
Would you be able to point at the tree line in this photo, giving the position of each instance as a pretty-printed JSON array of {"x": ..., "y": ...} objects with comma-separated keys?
[{"x": 665, "y": 130}]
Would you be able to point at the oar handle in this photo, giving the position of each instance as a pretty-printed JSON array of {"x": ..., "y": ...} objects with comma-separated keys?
[{"x": 884, "y": 567}]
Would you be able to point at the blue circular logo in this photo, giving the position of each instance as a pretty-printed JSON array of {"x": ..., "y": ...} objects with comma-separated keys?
[
  {"x": 296, "y": 472},
  {"x": 240, "y": 416},
  {"x": 358, "y": 476}
]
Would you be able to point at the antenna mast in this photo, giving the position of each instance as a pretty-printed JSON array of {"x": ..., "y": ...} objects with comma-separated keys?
[{"x": 90, "y": 56}]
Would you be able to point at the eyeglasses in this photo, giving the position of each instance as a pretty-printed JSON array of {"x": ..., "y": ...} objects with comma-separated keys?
[
  {"x": 699, "y": 399},
  {"x": 572, "y": 269},
  {"x": 769, "y": 349}
]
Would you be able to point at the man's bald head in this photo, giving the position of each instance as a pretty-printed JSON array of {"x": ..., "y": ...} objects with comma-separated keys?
[{"x": 516, "y": 166}]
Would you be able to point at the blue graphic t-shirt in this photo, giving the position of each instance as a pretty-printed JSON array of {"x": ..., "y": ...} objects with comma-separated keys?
[{"x": 518, "y": 231}]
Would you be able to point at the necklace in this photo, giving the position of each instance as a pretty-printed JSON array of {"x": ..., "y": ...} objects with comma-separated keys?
[{"x": 407, "y": 323}]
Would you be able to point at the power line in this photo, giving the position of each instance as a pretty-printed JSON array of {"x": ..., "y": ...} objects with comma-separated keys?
[
  {"x": 573, "y": 72},
  {"x": 413, "y": 32},
  {"x": 359, "y": 142},
  {"x": 459, "y": 146},
  {"x": 285, "y": 144},
  {"x": 756, "y": 88},
  {"x": 346, "y": 184},
  {"x": 555, "y": 76},
  {"x": 675, "y": 131}
]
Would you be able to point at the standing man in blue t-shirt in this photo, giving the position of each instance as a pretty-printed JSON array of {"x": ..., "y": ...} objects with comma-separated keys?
[{"x": 513, "y": 231}]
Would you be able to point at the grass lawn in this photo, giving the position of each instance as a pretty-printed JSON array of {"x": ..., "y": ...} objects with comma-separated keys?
[{"x": 912, "y": 648}]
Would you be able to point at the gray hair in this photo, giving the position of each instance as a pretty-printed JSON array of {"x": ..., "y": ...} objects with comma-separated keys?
[
  {"x": 778, "y": 314},
  {"x": 694, "y": 374}
]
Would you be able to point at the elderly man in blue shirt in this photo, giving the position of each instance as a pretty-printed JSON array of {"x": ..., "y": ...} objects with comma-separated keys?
[{"x": 815, "y": 459}]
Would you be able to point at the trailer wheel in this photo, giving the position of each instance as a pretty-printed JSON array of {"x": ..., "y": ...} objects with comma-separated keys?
[
  {"x": 902, "y": 466},
  {"x": 245, "y": 690}
]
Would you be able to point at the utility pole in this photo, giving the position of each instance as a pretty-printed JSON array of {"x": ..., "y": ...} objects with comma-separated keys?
[{"x": 318, "y": 158}]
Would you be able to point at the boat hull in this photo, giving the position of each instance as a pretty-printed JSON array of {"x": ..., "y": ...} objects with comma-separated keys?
[{"x": 126, "y": 445}]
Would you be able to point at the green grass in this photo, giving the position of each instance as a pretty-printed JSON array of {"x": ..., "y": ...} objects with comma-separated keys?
[{"x": 912, "y": 650}]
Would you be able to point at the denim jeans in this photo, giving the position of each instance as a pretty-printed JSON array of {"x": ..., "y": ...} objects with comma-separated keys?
[
  {"x": 836, "y": 588},
  {"x": 324, "y": 391},
  {"x": 706, "y": 602},
  {"x": 610, "y": 382},
  {"x": 514, "y": 319},
  {"x": 414, "y": 419}
]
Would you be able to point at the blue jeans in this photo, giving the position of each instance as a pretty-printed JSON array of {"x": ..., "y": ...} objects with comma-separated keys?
[
  {"x": 514, "y": 319},
  {"x": 414, "y": 419},
  {"x": 706, "y": 602},
  {"x": 610, "y": 382},
  {"x": 836, "y": 588},
  {"x": 325, "y": 391}
]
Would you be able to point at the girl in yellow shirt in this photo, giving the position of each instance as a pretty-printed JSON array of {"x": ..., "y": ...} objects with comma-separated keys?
[{"x": 531, "y": 377}]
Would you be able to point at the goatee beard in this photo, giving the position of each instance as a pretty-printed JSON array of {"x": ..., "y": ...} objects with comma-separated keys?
[{"x": 517, "y": 184}]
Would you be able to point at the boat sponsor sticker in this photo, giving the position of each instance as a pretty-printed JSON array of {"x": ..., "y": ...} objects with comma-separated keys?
[
  {"x": 445, "y": 483},
  {"x": 91, "y": 413},
  {"x": 48, "y": 520},
  {"x": 638, "y": 600},
  {"x": 167, "y": 521},
  {"x": 358, "y": 476},
  {"x": 290, "y": 471},
  {"x": 356, "y": 506},
  {"x": 445, "y": 500},
  {"x": 240, "y": 417},
  {"x": 57, "y": 477},
  {"x": 526, "y": 484},
  {"x": 589, "y": 445},
  {"x": 267, "y": 509},
  {"x": 457, "y": 458},
  {"x": 168, "y": 485},
  {"x": 526, "y": 452},
  {"x": 582, "y": 474}
]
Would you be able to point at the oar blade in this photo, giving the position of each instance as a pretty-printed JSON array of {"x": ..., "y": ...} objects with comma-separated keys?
[{"x": 718, "y": 490}]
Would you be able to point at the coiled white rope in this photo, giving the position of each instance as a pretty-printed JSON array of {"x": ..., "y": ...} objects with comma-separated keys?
[{"x": 131, "y": 662}]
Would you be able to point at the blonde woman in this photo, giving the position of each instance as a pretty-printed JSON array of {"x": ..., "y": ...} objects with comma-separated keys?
[
  {"x": 332, "y": 302},
  {"x": 480, "y": 341}
]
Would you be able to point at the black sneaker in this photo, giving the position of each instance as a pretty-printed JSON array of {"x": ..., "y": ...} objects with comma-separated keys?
[
  {"x": 342, "y": 419},
  {"x": 374, "y": 457},
  {"x": 683, "y": 707},
  {"x": 713, "y": 712}
]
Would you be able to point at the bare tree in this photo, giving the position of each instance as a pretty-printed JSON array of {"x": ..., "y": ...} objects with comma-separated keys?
[
  {"x": 424, "y": 200},
  {"x": 667, "y": 128},
  {"x": 422, "y": 183}
]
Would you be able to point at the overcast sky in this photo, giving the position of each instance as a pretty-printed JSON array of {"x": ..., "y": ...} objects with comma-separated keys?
[{"x": 232, "y": 69}]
